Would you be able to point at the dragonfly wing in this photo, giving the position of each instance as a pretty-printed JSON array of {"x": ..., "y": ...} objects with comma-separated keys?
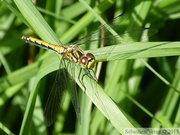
[
  {"x": 74, "y": 99},
  {"x": 96, "y": 34},
  {"x": 126, "y": 37},
  {"x": 120, "y": 37},
  {"x": 72, "y": 89},
  {"x": 56, "y": 97}
]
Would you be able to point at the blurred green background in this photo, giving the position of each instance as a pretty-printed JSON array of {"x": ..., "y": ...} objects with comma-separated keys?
[{"x": 145, "y": 87}]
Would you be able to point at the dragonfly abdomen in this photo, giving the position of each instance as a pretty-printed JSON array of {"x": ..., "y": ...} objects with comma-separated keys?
[{"x": 56, "y": 48}]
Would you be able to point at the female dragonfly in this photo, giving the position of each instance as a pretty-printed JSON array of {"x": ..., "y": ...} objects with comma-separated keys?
[{"x": 73, "y": 54}]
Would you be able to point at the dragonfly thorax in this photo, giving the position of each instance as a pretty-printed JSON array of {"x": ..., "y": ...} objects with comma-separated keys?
[
  {"x": 72, "y": 53},
  {"x": 75, "y": 54},
  {"x": 87, "y": 61}
]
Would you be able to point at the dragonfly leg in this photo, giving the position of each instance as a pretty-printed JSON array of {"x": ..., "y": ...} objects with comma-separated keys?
[
  {"x": 93, "y": 77},
  {"x": 81, "y": 79},
  {"x": 87, "y": 72}
]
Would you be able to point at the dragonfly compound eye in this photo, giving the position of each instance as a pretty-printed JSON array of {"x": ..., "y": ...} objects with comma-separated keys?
[{"x": 87, "y": 61}]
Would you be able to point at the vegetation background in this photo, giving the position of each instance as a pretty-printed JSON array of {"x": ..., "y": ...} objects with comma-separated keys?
[{"x": 138, "y": 82}]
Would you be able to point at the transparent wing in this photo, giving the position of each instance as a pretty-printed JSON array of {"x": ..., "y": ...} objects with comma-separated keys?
[
  {"x": 63, "y": 82},
  {"x": 109, "y": 39},
  {"x": 74, "y": 98},
  {"x": 73, "y": 90},
  {"x": 56, "y": 97},
  {"x": 95, "y": 35}
]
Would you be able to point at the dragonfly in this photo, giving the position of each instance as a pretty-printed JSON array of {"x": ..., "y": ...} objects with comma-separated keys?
[
  {"x": 74, "y": 54},
  {"x": 63, "y": 80}
]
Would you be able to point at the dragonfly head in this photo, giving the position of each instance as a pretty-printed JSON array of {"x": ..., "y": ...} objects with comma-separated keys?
[{"x": 87, "y": 61}]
